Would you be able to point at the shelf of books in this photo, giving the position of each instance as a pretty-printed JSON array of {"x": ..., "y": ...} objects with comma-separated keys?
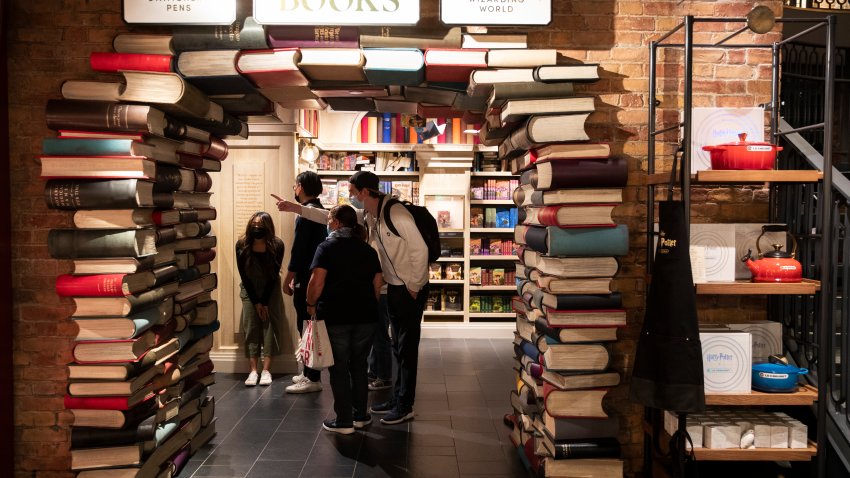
[{"x": 134, "y": 171}]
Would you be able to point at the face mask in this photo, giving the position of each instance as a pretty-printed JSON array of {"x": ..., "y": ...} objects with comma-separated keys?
[
  {"x": 330, "y": 230},
  {"x": 355, "y": 203},
  {"x": 258, "y": 232}
]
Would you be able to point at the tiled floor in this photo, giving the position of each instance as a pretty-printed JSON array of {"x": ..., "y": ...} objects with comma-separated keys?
[{"x": 462, "y": 394}]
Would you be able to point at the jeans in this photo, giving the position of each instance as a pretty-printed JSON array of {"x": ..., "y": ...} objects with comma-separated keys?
[
  {"x": 406, "y": 320},
  {"x": 350, "y": 344},
  {"x": 299, "y": 299},
  {"x": 381, "y": 356}
]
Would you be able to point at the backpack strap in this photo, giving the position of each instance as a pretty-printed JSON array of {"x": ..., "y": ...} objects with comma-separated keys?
[{"x": 387, "y": 220}]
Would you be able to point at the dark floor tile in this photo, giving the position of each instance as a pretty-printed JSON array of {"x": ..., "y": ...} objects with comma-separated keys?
[
  {"x": 462, "y": 383},
  {"x": 328, "y": 471},
  {"x": 434, "y": 467},
  {"x": 252, "y": 432},
  {"x": 314, "y": 400},
  {"x": 431, "y": 409},
  {"x": 466, "y": 399},
  {"x": 384, "y": 470},
  {"x": 290, "y": 446},
  {"x": 429, "y": 376},
  {"x": 268, "y": 469},
  {"x": 430, "y": 433},
  {"x": 466, "y": 424},
  {"x": 477, "y": 446},
  {"x": 223, "y": 471},
  {"x": 485, "y": 468},
  {"x": 422, "y": 450},
  {"x": 274, "y": 408},
  {"x": 304, "y": 420},
  {"x": 335, "y": 449}
]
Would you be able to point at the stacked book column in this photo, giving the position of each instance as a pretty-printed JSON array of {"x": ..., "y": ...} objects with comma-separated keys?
[{"x": 568, "y": 312}]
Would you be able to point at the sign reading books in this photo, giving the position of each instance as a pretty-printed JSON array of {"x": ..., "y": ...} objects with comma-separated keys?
[
  {"x": 336, "y": 12},
  {"x": 180, "y": 12},
  {"x": 496, "y": 12}
]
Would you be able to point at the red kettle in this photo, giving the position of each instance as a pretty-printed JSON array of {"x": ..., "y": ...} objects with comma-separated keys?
[{"x": 776, "y": 265}]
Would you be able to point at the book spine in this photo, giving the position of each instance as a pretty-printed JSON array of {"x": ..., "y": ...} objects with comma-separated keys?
[
  {"x": 589, "y": 301},
  {"x": 581, "y": 173},
  {"x": 168, "y": 178},
  {"x": 386, "y": 126},
  {"x": 243, "y": 34},
  {"x": 97, "y": 403},
  {"x": 574, "y": 449},
  {"x": 364, "y": 129},
  {"x": 203, "y": 181},
  {"x": 100, "y": 285},
  {"x": 103, "y": 115},
  {"x": 586, "y": 241},
  {"x": 312, "y": 37},
  {"x": 115, "y": 62},
  {"x": 73, "y": 243},
  {"x": 70, "y": 194}
]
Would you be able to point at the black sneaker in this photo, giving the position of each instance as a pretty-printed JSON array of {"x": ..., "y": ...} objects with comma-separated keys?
[
  {"x": 361, "y": 422},
  {"x": 397, "y": 416},
  {"x": 332, "y": 425},
  {"x": 382, "y": 408}
]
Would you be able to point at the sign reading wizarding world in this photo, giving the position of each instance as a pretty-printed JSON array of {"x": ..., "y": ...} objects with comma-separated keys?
[
  {"x": 336, "y": 12},
  {"x": 496, "y": 12},
  {"x": 180, "y": 12}
]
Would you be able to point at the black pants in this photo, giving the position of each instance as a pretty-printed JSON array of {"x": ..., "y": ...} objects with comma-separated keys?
[
  {"x": 406, "y": 320},
  {"x": 350, "y": 344},
  {"x": 299, "y": 299}
]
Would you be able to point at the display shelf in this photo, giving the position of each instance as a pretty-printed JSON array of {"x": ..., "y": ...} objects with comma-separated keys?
[
  {"x": 449, "y": 230},
  {"x": 450, "y": 259},
  {"x": 806, "y": 287},
  {"x": 743, "y": 176},
  {"x": 492, "y": 287},
  {"x": 492, "y": 315},
  {"x": 757, "y": 454},
  {"x": 493, "y": 258},
  {"x": 442, "y": 313},
  {"x": 490, "y": 230},
  {"x": 492, "y": 174},
  {"x": 394, "y": 174},
  {"x": 447, "y": 281},
  {"x": 805, "y": 395},
  {"x": 492, "y": 202},
  {"x": 403, "y": 147}
]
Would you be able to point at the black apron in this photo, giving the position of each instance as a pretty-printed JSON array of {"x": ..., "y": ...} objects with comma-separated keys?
[{"x": 668, "y": 363}]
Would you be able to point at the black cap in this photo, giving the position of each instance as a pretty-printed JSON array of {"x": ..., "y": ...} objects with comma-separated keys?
[{"x": 365, "y": 179}]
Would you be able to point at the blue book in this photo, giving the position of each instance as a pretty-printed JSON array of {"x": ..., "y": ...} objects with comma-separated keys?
[
  {"x": 514, "y": 221},
  {"x": 394, "y": 66},
  {"x": 386, "y": 127},
  {"x": 578, "y": 241},
  {"x": 503, "y": 217}
]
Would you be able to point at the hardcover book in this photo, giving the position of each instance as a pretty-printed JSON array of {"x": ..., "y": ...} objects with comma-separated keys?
[
  {"x": 143, "y": 43},
  {"x": 575, "y": 73},
  {"x": 105, "y": 115},
  {"x": 573, "y": 428},
  {"x": 569, "y": 215},
  {"x": 104, "y": 285},
  {"x": 493, "y": 41},
  {"x": 482, "y": 82},
  {"x": 213, "y": 71},
  {"x": 453, "y": 65},
  {"x": 585, "y": 317},
  {"x": 332, "y": 64},
  {"x": 71, "y": 194},
  {"x": 81, "y": 243},
  {"x": 114, "y": 62},
  {"x": 272, "y": 68},
  {"x": 518, "y": 109},
  {"x": 576, "y": 358},
  {"x": 572, "y": 334},
  {"x": 586, "y": 173},
  {"x": 541, "y": 129},
  {"x": 526, "y": 195},
  {"x": 574, "y": 403},
  {"x": 409, "y": 37},
  {"x": 124, "y": 306},
  {"x": 296, "y": 36},
  {"x": 519, "y": 58},
  {"x": 243, "y": 34},
  {"x": 101, "y": 328},
  {"x": 503, "y": 91},
  {"x": 394, "y": 66}
]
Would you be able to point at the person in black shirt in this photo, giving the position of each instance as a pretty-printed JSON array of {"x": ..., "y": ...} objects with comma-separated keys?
[
  {"x": 308, "y": 236},
  {"x": 259, "y": 255},
  {"x": 343, "y": 291}
]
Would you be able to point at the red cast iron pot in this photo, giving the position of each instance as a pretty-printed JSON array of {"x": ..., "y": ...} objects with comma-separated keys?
[{"x": 743, "y": 154}]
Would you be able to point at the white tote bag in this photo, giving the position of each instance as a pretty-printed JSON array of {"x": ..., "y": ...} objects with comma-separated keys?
[{"x": 314, "y": 350}]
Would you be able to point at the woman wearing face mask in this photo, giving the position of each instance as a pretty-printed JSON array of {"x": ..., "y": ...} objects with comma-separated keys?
[
  {"x": 259, "y": 255},
  {"x": 343, "y": 291}
]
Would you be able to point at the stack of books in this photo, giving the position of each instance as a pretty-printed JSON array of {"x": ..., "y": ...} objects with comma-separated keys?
[
  {"x": 568, "y": 242},
  {"x": 137, "y": 180}
]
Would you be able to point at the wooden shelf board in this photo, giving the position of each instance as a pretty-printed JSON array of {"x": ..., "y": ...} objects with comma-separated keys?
[
  {"x": 402, "y": 147},
  {"x": 807, "y": 287},
  {"x": 484, "y": 315},
  {"x": 757, "y": 454},
  {"x": 493, "y": 174},
  {"x": 744, "y": 176},
  {"x": 805, "y": 395},
  {"x": 447, "y": 281},
  {"x": 450, "y": 259},
  {"x": 492, "y": 202},
  {"x": 395, "y": 174},
  {"x": 492, "y": 229},
  {"x": 494, "y": 258},
  {"x": 441, "y": 313},
  {"x": 492, "y": 287},
  {"x": 449, "y": 230}
]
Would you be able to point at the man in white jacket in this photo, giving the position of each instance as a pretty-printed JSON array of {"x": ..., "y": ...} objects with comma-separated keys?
[{"x": 404, "y": 261}]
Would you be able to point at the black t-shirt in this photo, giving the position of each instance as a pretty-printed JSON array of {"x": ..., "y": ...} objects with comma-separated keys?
[{"x": 348, "y": 296}]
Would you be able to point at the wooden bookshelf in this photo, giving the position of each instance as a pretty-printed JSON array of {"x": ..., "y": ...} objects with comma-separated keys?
[
  {"x": 381, "y": 174},
  {"x": 450, "y": 259},
  {"x": 806, "y": 287},
  {"x": 492, "y": 202},
  {"x": 447, "y": 281},
  {"x": 493, "y": 287},
  {"x": 757, "y": 454},
  {"x": 492, "y": 174},
  {"x": 442, "y": 313},
  {"x": 492, "y": 315},
  {"x": 744, "y": 176},
  {"x": 805, "y": 395},
  {"x": 491, "y": 230},
  {"x": 493, "y": 258},
  {"x": 403, "y": 147}
]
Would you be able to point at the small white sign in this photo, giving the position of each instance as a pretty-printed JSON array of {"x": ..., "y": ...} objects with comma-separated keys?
[
  {"x": 180, "y": 12},
  {"x": 496, "y": 12},
  {"x": 336, "y": 12},
  {"x": 727, "y": 361}
]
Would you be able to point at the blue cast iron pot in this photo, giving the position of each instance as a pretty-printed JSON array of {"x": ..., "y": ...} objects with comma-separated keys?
[{"x": 776, "y": 377}]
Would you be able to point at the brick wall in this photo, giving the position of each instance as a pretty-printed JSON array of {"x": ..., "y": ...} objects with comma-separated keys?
[{"x": 49, "y": 41}]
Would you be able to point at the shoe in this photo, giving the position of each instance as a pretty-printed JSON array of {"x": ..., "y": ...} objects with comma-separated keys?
[
  {"x": 382, "y": 408},
  {"x": 379, "y": 384},
  {"x": 361, "y": 422},
  {"x": 265, "y": 378},
  {"x": 300, "y": 378},
  {"x": 252, "y": 379},
  {"x": 397, "y": 416},
  {"x": 304, "y": 387},
  {"x": 331, "y": 425}
]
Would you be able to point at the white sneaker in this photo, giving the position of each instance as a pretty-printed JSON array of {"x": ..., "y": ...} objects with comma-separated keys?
[
  {"x": 265, "y": 378},
  {"x": 252, "y": 379},
  {"x": 304, "y": 387},
  {"x": 299, "y": 378}
]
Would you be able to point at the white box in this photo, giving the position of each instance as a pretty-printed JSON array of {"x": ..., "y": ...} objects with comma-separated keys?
[
  {"x": 695, "y": 430},
  {"x": 762, "y": 430},
  {"x": 713, "y": 126},
  {"x": 798, "y": 434},
  {"x": 718, "y": 241},
  {"x": 778, "y": 435},
  {"x": 745, "y": 239},
  {"x": 727, "y": 361},
  {"x": 767, "y": 338},
  {"x": 722, "y": 435}
]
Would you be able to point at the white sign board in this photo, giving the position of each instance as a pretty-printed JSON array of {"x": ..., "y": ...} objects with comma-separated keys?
[
  {"x": 490, "y": 12},
  {"x": 180, "y": 12},
  {"x": 336, "y": 12}
]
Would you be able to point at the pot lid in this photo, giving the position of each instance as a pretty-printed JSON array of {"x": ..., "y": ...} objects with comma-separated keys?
[
  {"x": 778, "y": 368},
  {"x": 777, "y": 253},
  {"x": 742, "y": 141}
]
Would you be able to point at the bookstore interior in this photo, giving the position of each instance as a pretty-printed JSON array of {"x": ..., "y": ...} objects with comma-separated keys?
[{"x": 186, "y": 130}]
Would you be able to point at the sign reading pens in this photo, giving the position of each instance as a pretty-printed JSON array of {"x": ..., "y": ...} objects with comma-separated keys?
[
  {"x": 336, "y": 12},
  {"x": 180, "y": 12},
  {"x": 496, "y": 12}
]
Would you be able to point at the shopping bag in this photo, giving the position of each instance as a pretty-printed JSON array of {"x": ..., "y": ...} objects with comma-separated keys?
[{"x": 314, "y": 349}]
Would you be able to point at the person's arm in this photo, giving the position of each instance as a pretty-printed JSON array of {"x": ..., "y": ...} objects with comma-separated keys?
[
  {"x": 243, "y": 274},
  {"x": 416, "y": 275},
  {"x": 278, "y": 263},
  {"x": 315, "y": 288},
  {"x": 378, "y": 283},
  {"x": 288, "y": 283},
  {"x": 309, "y": 213}
]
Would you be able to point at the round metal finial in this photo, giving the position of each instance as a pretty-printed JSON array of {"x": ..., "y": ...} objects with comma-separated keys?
[{"x": 761, "y": 19}]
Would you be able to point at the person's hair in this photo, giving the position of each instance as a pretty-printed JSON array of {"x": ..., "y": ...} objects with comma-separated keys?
[
  {"x": 310, "y": 182},
  {"x": 273, "y": 244},
  {"x": 347, "y": 217}
]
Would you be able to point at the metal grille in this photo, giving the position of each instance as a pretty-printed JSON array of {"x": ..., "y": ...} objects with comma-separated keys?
[{"x": 819, "y": 5}]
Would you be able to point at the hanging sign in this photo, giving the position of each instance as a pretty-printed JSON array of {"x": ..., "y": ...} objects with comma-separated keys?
[
  {"x": 336, "y": 12},
  {"x": 180, "y": 12},
  {"x": 496, "y": 12}
]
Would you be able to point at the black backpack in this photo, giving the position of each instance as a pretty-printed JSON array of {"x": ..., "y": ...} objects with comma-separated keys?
[{"x": 425, "y": 222}]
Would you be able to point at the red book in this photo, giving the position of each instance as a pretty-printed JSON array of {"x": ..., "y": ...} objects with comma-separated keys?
[
  {"x": 106, "y": 403},
  {"x": 114, "y": 62},
  {"x": 399, "y": 129},
  {"x": 104, "y": 285},
  {"x": 475, "y": 138},
  {"x": 364, "y": 129},
  {"x": 453, "y": 65},
  {"x": 271, "y": 68},
  {"x": 585, "y": 215},
  {"x": 441, "y": 138}
]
